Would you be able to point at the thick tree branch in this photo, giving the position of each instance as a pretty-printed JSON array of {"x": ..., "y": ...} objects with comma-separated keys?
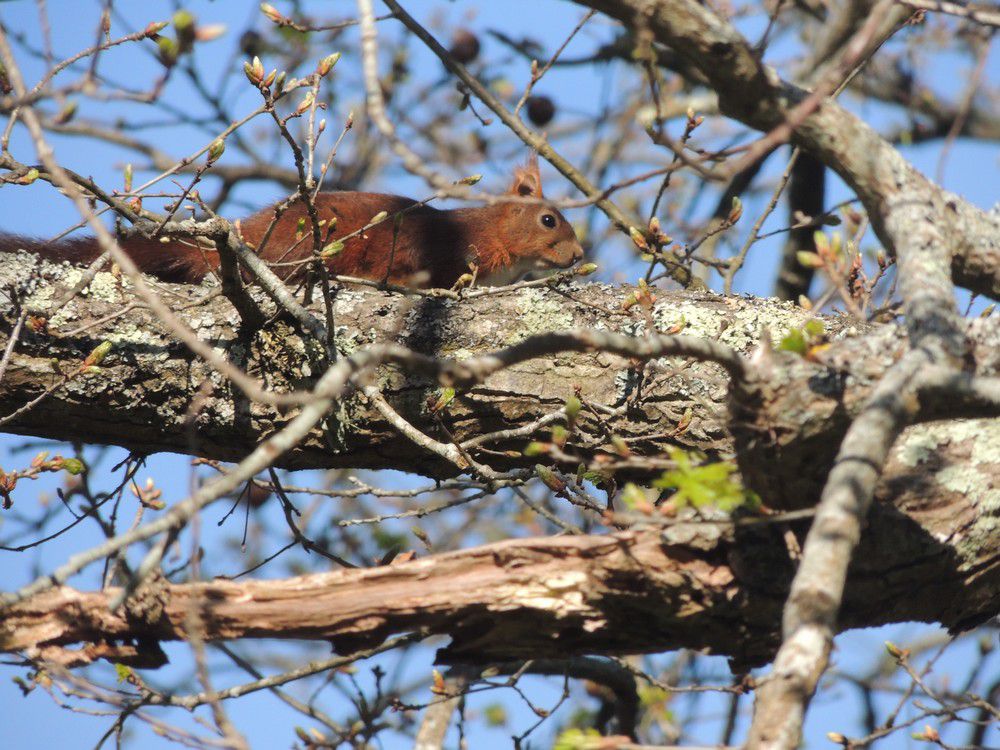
[
  {"x": 699, "y": 585},
  {"x": 806, "y": 198},
  {"x": 786, "y": 425}
]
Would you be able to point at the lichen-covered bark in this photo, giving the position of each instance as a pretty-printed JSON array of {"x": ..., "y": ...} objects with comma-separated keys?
[
  {"x": 787, "y": 430},
  {"x": 150, "y": 390},
  {"x": 151, "y": 394}
]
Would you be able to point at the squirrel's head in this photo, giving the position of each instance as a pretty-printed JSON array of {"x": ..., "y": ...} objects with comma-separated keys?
[{"x": 539, "y": 236}]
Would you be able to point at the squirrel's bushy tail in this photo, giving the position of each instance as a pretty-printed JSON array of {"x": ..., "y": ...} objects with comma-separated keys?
[
  {"x": 172, "y": 261},
  {"x": 76, "y": 250}
]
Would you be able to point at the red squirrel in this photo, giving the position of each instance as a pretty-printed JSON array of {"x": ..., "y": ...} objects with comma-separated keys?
[{"x": 425, "y": 247}]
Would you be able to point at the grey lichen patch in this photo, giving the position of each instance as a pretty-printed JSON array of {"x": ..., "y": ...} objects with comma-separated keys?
[
  {"x": 540, "y": 311},
  {"x": 735, "y": 323},
  {"x": 984, "y": 533},
  {"x": 975, "y": 479},
  {"x": 986, "y": 448},
  {"x": 201, "y": 321},
  {"x": 918, "y": 443},
  {"x": 349, "y": 340},
  {"x": 87, "y": 384},
  {"x": 105, "y": 286},
  {"x": 224, "y": 410},
  {"x": 59, "y": 278},
  {"x": 124, "y": 334},
  {"x": 634, "y": 327},
  {"x": 625, "y": 382},
  {"x": 696, "y": 321},
  {"x": 461, "y": 353},
  {"x": 348, "y": 303},
  {"x": 65, "y": 316}
]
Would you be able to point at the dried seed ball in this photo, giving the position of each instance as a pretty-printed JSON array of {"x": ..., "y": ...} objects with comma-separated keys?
[
  {"x": 541, "y": 110},
  {"x": 464, "y": 46},
  {"x": 251, "y": 43}
]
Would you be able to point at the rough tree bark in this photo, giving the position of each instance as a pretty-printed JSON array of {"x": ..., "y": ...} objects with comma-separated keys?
[
  {"x": 151, "y": 394},
  {"x": 704, "y": 586},
  {"x": 697, "y": 585}
]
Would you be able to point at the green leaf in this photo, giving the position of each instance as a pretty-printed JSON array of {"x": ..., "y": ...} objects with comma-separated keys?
[
  {"x": 573, "y": 408},
  {"x": 795, "y": 342},
  {"x": 822, "y": 242},
  {"x": 73, "y": 466},
  {"x": 809, "y": 259},
  {"x": 815, "y": 328},
  {"x": 495, "y": 715},
  {"x": 445, "y": 397},
  {"x": 705, "y": 484},
  {"x": 578, "y": 739},
  {"x": 535, "y": 448},
  {"x": 632, "y": 495}
]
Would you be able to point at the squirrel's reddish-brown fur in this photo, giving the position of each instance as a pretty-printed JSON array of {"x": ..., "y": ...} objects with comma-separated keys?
[{"x": 425, "y": 247}]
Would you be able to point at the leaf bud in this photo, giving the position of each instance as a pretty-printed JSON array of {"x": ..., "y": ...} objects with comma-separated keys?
[
  {"x": 334, "y": 248},
  {"x": 216, "y": 150},
  {"x": 66, "y": 113},
  {"x": 210, "y": 32},
  {"x": 254, "y": 71},
  {"x": 638, "y": 238},
  {"x": 29, "y": 177},
  {"x": 326, "y": 64},
  {"x": 736, "y": 211},
  {"x": 549, "y": 478},
  {"x": 272, "y": 13},
  {"x": 98, "y": 354},
  {"x": 155, "y": 28},
  {"x": 573, "y": 408},
  {"x": 536, "y": 448},
  {"x": 306, "y": 103},
  {"x": 808, "y": 259}
]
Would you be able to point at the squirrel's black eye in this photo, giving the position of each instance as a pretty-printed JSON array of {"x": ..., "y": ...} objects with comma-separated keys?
[{"x": 548, "y": 220}]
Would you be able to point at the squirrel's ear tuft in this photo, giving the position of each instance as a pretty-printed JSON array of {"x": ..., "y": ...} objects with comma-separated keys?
[{"x": 527, "y": 179}]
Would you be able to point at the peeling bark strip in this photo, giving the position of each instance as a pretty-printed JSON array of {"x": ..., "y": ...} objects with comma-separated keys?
[
  {"x": 693, "y": 586},
  {"x": 148, "y": 387}
]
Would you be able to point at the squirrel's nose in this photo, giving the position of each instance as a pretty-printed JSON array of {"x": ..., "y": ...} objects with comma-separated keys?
[{"x": 577, "y": 252}]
